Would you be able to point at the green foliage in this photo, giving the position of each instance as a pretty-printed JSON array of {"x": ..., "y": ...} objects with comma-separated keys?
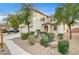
[
  {"x": 42, "y": 34},
  {"x": 63, "y": 47},
  {"x": 5, "y": 31},
  {"x": 13, "y": 21},
  {"x": 38, "y": 32},
  {"x": 50, "y": 36},
  {"x": 24, "y": 36},
  {"x": 67, "y": 14},
  {"x": 60, "y": 35},
  {"x": 45, "y": 40},
  {"x": 32, "y": 40},
  {"x": 31, "y": 33},
  {"x": 25, "y": 16}
]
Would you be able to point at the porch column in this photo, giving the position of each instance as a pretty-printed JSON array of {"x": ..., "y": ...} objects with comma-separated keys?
[{"x": 49, "y": 29}]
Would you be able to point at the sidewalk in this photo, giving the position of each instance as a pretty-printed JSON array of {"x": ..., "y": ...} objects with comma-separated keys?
[
  {"x": 11, "y": 36},
  {"x": 15, "y": 49}
]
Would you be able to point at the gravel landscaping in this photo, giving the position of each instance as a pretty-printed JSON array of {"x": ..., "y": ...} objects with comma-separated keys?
[
  {"x": 36, "y": 49},
  {"x": 5, "y": 50},
  {"x": 74, "y": 44}
]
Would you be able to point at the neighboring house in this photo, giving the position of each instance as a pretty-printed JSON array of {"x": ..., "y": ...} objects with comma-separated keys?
[
  {"x": 75, "y": 28},
  {"x": 4, "y": 26}
]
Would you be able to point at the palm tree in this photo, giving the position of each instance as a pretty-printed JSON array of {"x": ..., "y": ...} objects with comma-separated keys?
[
  {"x": 25, "y": 16},
  {"x": 67, "y": 14}
]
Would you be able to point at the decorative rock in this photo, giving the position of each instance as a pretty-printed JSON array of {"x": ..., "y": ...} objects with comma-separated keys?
[
  {"x": 52, "y": 52},
  {"x": 54, "y": 44}
]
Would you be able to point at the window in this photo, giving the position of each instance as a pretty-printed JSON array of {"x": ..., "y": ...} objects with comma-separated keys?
[
  {"x": 43, "y": 19},
  {"x": 55, "y": 26}
]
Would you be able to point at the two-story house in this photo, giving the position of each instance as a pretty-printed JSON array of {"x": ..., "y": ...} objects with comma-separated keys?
[{"x": 39, "y": 21}]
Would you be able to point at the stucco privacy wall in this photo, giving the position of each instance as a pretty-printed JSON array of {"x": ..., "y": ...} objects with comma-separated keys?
[
  {"x": 23, "y": 28},
  {"x": 60, "y": 28}
]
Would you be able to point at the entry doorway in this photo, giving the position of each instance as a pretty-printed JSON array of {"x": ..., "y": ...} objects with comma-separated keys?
[{"x": 46, "y": 28}]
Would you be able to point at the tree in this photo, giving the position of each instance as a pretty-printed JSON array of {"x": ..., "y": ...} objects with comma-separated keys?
[
  {"x": 67, "y": 14},
  {"x": 1, "y": 37},
  {"x": 13, "y": 21},
  {"x": 26, "y": 13}
]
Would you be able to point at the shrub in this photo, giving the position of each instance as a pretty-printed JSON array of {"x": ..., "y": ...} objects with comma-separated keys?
[
  {"x": 24, "y": 35},
  {"x": 44, "y": 41},
  {"x": 50, "y": 36},
  {"x": 31, "y": 33},
  {"x": 42, "y": 34},
  {"x": 32, "y": 40},
  {"x": 63, "y": 46},
  {"x": 60, "y": 35},
  {"x": 38, "y": 32},
  {"x": 5, "y": 31}
]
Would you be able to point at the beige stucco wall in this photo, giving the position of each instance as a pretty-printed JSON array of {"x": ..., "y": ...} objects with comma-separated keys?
[
  {"x": 23, "y": 28},
  {"x": 60, "y": 28},
  {"x": 37, "y": 23}
]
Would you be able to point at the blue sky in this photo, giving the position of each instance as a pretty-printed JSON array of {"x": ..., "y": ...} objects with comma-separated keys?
[
  {"x": 47, "y": 8},
  {"x": 7, "y": 8}
]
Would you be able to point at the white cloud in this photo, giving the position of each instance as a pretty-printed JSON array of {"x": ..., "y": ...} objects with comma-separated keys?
[
  {"x": 13, "y": 13},
  {"x": 2, "y": 17}
]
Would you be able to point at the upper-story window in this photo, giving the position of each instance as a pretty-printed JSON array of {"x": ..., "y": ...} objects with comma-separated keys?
[
  {"x": 51, "y": 19},
  {"x": 55, "y": 26},
  {"x": 43, "y": 19}
]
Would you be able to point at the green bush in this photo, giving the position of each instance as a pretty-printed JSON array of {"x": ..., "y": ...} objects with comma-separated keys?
[
  {"x": 46, "y": 38},
  {"x": 51, "y": 36},
  {"x": 38, "y": 32},
  {"x": 24, "y": 35},
  {"x": 63, "y": 47},
  {"x": 42, "y": 34},
  {"x": 32, "y": 40},
  {"x": 31, "y": 33},
  {"x": 5, "y": 31},
  {"x": 44, "y": 41},
  {"x": 60, "y": 35}
]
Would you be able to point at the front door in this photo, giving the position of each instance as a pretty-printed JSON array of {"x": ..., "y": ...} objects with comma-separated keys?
[{"x": 46, "y": 28}]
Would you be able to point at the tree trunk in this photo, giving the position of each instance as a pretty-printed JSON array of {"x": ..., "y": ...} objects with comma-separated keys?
[
  {"x": 28, "y": 29},
  {"x": 70, "y": 32},
  {"x": 1, "y": 39}
]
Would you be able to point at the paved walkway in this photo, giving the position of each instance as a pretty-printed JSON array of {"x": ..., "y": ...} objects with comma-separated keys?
[
  {"x": 15, "y": 49},
  {"x": 11, "y": 36}
]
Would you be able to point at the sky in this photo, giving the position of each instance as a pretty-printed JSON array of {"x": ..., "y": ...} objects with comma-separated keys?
[
  {"x": 9, "y": 8},
  {"x": 48, "y": 8}
]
